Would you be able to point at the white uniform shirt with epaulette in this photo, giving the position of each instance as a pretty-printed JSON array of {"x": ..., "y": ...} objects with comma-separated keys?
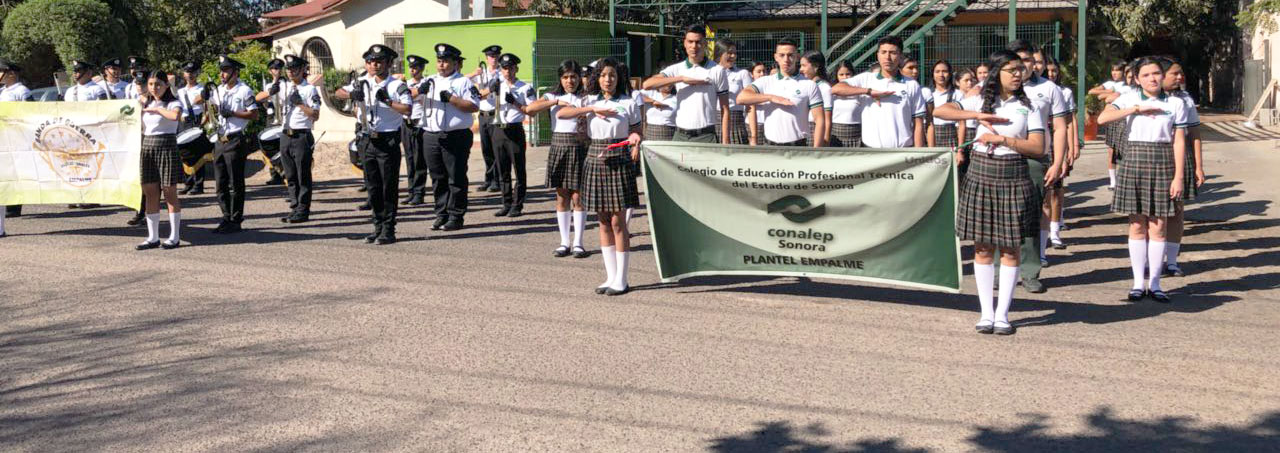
[
  {"x": 787, "y": 124},
  {"x": 558, "y": 125},
  {"x": 1049, "y": 101},
  {"x": 940, "y": 99},
  {"x": 487, "y": 103},
  {"x": 415, "y": 116},
  {"x": 616, "y": 126},
  {"x": 132, "y": 92},
  {"x": 238, "y": 98},
  {"x": 154, "y": 124},
  {"x": 1023, "y": 120},
  {"x": 889, "y": 123},
  {"x": 294, "y": 116},
  {"x": 443, "y": 116},
  {"x": 665, "y": 116},
  {"x": 191, "y": 111},
  {"x": 385, "y": 119},
  {"x": 1157, "y": 127},
  {"x": 522, "y": 92},
  {"x": 114, "y": 90},
  {"x": 85, "y": 92},
  {"x": 16, "y": 92},
  {"x": 699, "y": 104}
]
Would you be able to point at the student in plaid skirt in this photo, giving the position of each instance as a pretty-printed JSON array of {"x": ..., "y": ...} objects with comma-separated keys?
[
  {"x": 846, "y": 113},
  {"x": 736, "y": 128},
  {"x": 610, "y": 185},
  {"x": 1193, "y": 165},
  {"x": 161, "y": 168},
  {"x": 813, "y": 66},
  {"x": 565, "y": 159},
  {"x": 1057, "y": 198},
  {"x": 659, "y": 113},
  {"x": 1150, "y": 179},
  {"x": 999, "y": 204},
  {"x": 1105, "y": 91},
  {"x": 755, "y": 114},
  {"x": 943, "y": 133},
  {"x": 966, "y": 82}
]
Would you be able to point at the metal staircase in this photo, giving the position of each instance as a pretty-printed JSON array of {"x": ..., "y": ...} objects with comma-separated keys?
[{"x": 906, "y": 14}]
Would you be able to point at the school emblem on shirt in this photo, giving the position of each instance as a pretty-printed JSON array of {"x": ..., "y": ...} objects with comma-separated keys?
[{"x": 70, "y": 151}]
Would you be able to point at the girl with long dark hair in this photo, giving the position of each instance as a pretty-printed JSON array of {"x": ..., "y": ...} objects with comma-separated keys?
[
  {"x": 999, "y": 204},
  {"x": 755, "y": 115},
  {"x": 566, "y": 157},
  {"x": 161, "y": 168},
  {"x": 1150, "y": 179},
  {"x": 943, "y": 133},
  {"x": 813, "y": 66},
  {"x": 1107, "y": 92},
  {"x": 1193, "y": 178},
  {"x": 609, "y": 174},
  {"x": 846, "y": 113},
  {"x": 966, "y": 82}
]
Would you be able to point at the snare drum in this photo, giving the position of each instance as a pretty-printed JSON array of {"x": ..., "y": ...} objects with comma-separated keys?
[
  {"x": 189, "y": 135},
  {"x": 193, "y": 145},
  {"x": 269, "y": 139}
]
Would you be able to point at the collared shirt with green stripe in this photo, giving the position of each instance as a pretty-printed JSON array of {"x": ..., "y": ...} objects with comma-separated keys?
[
  {"x": 889, "y": 123},
  {"x": 786, "y": 124}
]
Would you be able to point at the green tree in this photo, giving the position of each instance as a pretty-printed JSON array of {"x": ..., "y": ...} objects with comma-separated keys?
[
  {"x": 46, "y": 34},
  {"x": 1260, "y": 15}
]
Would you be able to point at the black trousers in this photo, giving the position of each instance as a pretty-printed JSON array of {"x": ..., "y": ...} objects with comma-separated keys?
[
  {"x": 197, "y": 179},
  {"x": 415, "y": 160},
  {"x": 486, "y": 148},
  {"x": 228, "y": 171},
  {"x": 382, "y": 176},
  {"x": 447, "y": 154},
  {"x": 296, "y": 157},
  {"x": 509, "y": 151}
]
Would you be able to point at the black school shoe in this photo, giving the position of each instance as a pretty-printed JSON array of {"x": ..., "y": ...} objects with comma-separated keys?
[
  {"x": 388, "y": 236},
  {"x": 1136, "y": 295},
  {"x": 454, "y": 224},
  {"x": 138, "y": 219},
  {"x": 1159, "y": 296},
  {"x": 439, "y": 223},
  {"x": 170, "y": 245},
  {"x": 146, "y": 245},
  {"x": 560, "y": 252},
  {"x": 516, "y": 212},
  {"x": 579, "y": 252},
  {"x": 502, "y": 212}
]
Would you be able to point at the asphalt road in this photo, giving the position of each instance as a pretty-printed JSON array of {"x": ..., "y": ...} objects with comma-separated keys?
[{"x": 302, "y": 338}]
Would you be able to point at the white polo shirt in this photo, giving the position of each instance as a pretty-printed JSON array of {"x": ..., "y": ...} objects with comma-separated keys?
[
  {"x": 294, "y": 116},
  {"x": 384, "y": 118},
  {"x": 114, "y": 90},
  {"x": 415, "y": 116},
  {"x": 612, "y": 127},
  {"x": 664, "y": 116},
  {"x": 558, "y": 125},
  {"x": 846, "y": 109},
  {"x": 235, "y": 99},
  {"x": 15, "y": 93},
  {"x": 131, "y": 91},
  {"x": 486, "y": 103},
  {"x": 1193, "y": 117},
  {"x": 85, "y": 92},
  {"x": 1070, "y": 99},
  {"x": 523, "y": 93},
  {"x": 190, "y": 109},
  {"x": 1023, "y": 120},
  {"x": 824, "y": 91},
  {"x": 786, "y": 124},
  {"x": 1047, "y": 97},
  {"x": 889, "y": 123},
  {"x": 971, "y": 124},
  {"x": 154, "y": 124},
  {"x": 737, "y": 79},
  {"x": 940, "y": 99},
  {"x": 699, "y": 105},
  {"x": 1158, "y": 127},
  {"x": 443, "y": 116}
]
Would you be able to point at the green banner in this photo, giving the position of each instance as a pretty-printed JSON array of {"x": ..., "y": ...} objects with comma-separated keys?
[{"x": 877, "y": 215}]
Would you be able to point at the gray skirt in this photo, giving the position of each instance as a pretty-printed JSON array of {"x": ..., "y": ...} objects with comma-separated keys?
[
  {"x": 658, "y": 132},
  {"x": 565, "y": 160},
  {"x": 1143, "y": 179},
  {"x": 999, "y": 205},
  {"x": 609, "y": 178}
]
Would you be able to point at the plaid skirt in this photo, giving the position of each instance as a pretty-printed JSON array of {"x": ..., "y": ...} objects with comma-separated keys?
[
  {"x": 738, "y": 134},
  {"x": 159, "y": 161},
  {"x": 1143, "y": 179},
  {"x": 1113, "y": 131},
  {"x": 565, "y": 160},
  {"x": 609, "y": 178},
  {"x": 999, "y": 205},
  {"x": 1047, "y": 158},
  {"x": 1189, "y": 190},
  {"x": 846, "y": 135},
  {"x": 657, "y": 132},
  {"x": 944, "y": 136}
]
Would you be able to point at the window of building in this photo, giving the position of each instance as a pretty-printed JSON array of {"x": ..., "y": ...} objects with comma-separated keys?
[{"x": 396, "y": 42}]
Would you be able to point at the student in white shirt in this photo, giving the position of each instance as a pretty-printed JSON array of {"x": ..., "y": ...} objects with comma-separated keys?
[
  {"x": 999, "y": 203},
  {"x": 610, "y": 178},
  {"x": 786, "y": 98},
  {"x": 415, "y": 161},
  {"x": 12, "y": 91},
  {"x": 703, "y": 92},
  {"x": 813, "y": 66},
  {"x": 893, "y": 115},
  {"x": 1150, "y": 178},
  {"x": 1111, "y": 131},
  {"x": 1058, "y": 195},
  {"x": 161, "y": 168},
  {"x": 965, "y": 83},
  {"x": 943, "y": 133},
  {"x": 846, "y": 113},
  {"x": 484, "y": 77},
  {"x": 1193, "y": 166},
  {"x": 236, "y": 108},
  {"x": 755, "y": 115},
  {"x": 299, "y": 104},
  {"x": 193, "y": 116},
  {"x": 566, "y": 157},
  {"x": 111, "y": 82},
  {"x": 737, "y": 79},
  {"x": 511, "y": 96},
  {"x": 388, "y": 100},
  {"x": 446, "y": 135},
  {"x": 138, "y": 70}
]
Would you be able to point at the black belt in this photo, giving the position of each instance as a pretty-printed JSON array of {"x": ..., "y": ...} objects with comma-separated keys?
[
  {"x": 296, "y": 132},
  {"x": 706, "y": 130},
  {"x": 800, "y": 142},
  {"x": 447, "y": 132},
  {"x": 378, "y": 135},
  {"x": 487, "y": 113}
]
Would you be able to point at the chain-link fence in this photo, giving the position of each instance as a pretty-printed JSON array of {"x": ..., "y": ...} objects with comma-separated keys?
[
  {"x": 966, "y": 46},
  {"x": 759, "y": 46},
  {"x": 547, "y": 56}
]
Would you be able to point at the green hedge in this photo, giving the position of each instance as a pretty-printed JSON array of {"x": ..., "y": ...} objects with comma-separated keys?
[{"x": 47, "y": 34}]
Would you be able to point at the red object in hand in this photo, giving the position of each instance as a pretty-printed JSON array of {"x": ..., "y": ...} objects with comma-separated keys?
[{"x": 619, "y": 144}]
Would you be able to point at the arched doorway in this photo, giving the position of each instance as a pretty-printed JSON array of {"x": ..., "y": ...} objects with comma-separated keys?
[{"x": 316, "y": 52}]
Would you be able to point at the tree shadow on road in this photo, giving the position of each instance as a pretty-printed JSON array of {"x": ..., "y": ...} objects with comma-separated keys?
[{"x": 781, "y": 436}]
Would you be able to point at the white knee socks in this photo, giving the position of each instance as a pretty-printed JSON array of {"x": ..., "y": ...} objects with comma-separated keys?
[
  {"x": 153, "y": 227},
  {"x": 1112, "y": 172},
  {"x": 610, "y": 265},
  {"x": 985, "y": 274},
  {"x": 620, "y": 278},
  {"x": 629, "y": 212},
  {"x": 1155, "y": 262},
  {"x": 1008, "y": 280},
  {"x": 1055, "y": 231},
  {"x": 1044, "y": 242},
  {"x": 1170, "y": 252},
  {"x": 1138, "y": 261},
  {"x": 175, "y": 225},
  {"x": 562, "y": 221},
  {"x": 579, "y": 224}
]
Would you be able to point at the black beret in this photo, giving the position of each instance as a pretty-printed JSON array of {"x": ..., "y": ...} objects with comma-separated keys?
[
  {"x": 225, "y": 62},
  {"x": 493, "y": 50},
  {"x": 508, "y": 60},
  {"x": 294, "y": 62},
  {"x": 275, "y": 63},
  {"x": 379, "y": 52},
  {"x": 416, "y": 61}
]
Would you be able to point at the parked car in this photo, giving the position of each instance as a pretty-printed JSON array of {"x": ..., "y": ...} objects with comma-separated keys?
[{"x": 47, "y": 94}]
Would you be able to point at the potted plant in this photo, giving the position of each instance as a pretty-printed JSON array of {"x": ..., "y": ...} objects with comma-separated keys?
[{"x": 1092, "y": 107}]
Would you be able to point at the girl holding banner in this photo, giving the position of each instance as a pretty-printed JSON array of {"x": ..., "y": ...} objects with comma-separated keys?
[
  {"x": 609, "y": 186},
  {"x": 999, "y": 205},
  {"x": 161, "y": 166}
]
